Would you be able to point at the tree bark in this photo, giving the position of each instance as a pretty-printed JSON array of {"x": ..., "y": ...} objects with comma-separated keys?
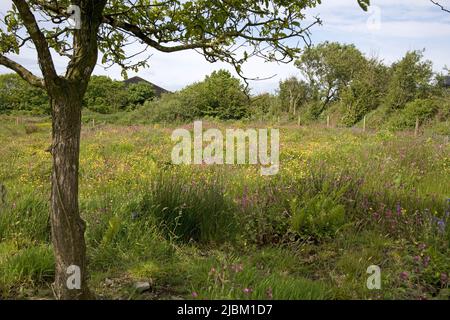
[{"x": 67, "y": 226}]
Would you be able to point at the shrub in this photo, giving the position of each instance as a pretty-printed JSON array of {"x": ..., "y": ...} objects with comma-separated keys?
[
  {"x": 219, "y": 96},
  {"x": 105, "y": 95},
  {"x": 16, "y": 95},
  {"x": 166, "y": 109},
  {"x": 318, "y": 217},
  {"x": 422, "y": 109},
  {"x": 323, "y": 200}
]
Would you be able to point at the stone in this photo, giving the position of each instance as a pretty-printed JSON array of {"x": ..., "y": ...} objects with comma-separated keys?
[{"x": 142, "y": 286}]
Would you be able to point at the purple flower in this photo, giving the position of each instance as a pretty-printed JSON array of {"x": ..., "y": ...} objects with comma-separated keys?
[
  {"x": 404, "y": 275},
  {"x": 422, "y": 246},
  {"x": 388, "y": 213},
  {"x": 441, "y": 225},
  {"x": 194, "y": 294},
  {"x": 417, "y": 258},
  {"x": 426, "y": 261},
  {"x": 247, "y": 290}
]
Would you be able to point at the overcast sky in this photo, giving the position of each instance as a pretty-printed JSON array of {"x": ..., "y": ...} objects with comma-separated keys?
[{"x": 387, "y": 31}]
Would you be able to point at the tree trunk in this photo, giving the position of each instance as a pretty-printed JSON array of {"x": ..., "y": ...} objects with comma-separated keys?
[{"x": 67, "y": 226}]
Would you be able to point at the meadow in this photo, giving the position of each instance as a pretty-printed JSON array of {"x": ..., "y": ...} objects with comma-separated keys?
[{"x": 343, "y": 200}]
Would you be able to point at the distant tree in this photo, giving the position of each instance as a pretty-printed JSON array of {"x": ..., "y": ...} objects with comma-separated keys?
[
  {"x": 329, "y": 68},
  {"x": 293, "y": 93},
  {"x": 264, "y": 106},
  {"x": 220, "y": 96},
  {"x": 411, "y": 79},
  {"x": 365, "y": 92},
  {"x": 105, "y": 95},
  {"x": 18, "y": 95},
  {"x": 226, "y": 96},
  {"x": 441, "y": 82},
  {"x": 138, "y": 93}
]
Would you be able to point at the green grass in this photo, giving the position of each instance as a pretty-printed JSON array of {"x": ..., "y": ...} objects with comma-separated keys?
[{"x": 225, "y": 232}]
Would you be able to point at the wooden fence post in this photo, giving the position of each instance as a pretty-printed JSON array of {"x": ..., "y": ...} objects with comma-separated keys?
[
  {"x": 416, "y": 130},
  {"x": 299, "y": 122},
  {"x": 328, "y": 121},
  {"x": 364, "y": 124}
]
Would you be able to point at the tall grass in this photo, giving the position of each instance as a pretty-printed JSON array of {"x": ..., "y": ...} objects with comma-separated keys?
[{"x": 190, "y": 210}]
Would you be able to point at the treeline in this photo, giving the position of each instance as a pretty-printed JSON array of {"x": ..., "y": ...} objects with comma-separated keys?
[
  {"x": 103, "y": 95},
  {"x": 334, "y": 80},
  {"x": 341, "y": 82}
]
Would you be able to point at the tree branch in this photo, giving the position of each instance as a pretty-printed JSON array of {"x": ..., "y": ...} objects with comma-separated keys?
[
  {"x": 22, "y": 72},
  {"x": 440, "y": 6},
  {"x": 138, "y": 33},
  {"x": 38, "y": 38}
]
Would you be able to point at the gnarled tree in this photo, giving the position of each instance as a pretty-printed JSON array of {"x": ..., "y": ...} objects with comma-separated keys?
[{"x": 221, "y": 30}]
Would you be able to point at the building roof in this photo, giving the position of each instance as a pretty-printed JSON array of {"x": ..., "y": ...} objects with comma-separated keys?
[{"x": 158, "y": 90}]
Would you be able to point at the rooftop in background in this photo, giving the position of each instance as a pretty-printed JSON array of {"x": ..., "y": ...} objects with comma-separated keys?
[{"x": 158, "y": 90}]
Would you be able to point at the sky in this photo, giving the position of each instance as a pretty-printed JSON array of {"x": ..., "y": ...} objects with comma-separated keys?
[{"x": 387, "y": 31}]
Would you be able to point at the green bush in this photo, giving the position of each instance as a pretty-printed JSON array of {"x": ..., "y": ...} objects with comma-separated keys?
[
  {"x": 166, "y": 109},
  {"x": 318, "y": 217},
  {"x": 219, "y": 96},
  {"x": 422, "y": 109},
  {"x": 105, "y": 95},
  {"x": 17, "y": 96}
]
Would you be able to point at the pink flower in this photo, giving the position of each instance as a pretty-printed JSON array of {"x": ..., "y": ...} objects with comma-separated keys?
[
  {"x": 194, "y": 294},
  {"x": 426, "y": 261},
  {"x": 247, "y": 290},
  {"x": 404, "y": 275}
]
